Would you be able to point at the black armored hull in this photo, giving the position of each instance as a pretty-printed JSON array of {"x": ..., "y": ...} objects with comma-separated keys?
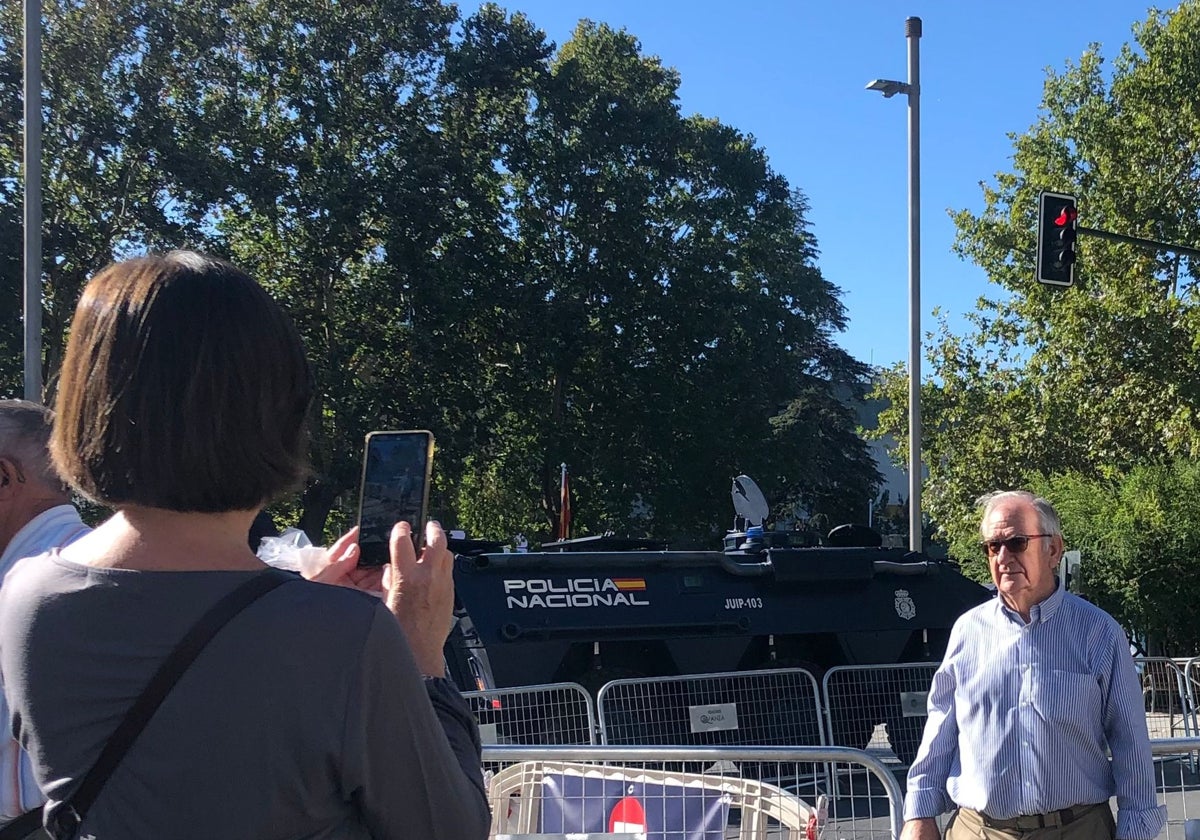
[{"x": 590, "y": 617}]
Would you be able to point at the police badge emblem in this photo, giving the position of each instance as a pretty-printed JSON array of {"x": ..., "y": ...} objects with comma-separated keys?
[{"x": 905, "y": 608}]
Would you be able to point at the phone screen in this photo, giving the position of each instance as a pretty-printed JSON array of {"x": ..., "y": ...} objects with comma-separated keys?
[{"x": 395, "y": 486}]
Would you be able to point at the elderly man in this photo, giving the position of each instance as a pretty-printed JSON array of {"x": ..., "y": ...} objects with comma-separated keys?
[
  {"x": 1036, "y": 688},
  {"x": 35, "y": 515}
]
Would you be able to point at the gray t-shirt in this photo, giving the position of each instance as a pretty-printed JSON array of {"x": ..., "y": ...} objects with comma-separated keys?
[{"x": 305, "y": 717}]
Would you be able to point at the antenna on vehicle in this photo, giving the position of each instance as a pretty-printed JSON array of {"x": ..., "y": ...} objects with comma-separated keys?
[{"x": 749, "y": 501}]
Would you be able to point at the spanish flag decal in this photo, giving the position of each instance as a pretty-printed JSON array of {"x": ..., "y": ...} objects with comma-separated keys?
[{"x": 630, "y": 584}]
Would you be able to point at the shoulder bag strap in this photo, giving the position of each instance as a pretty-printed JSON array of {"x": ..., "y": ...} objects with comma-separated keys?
[
  {"x": 22, "y": 826},
  {"x": 69, "y": 816}
]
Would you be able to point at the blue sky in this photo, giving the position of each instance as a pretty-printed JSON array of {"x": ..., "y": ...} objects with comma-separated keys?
[{"x": 792, "y": 73}]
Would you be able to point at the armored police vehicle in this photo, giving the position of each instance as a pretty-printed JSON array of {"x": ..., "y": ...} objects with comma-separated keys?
[{"x": 599, "y": 609}]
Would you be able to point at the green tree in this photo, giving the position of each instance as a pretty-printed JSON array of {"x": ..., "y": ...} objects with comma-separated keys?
[
  {"x": 318, "y": 121},
  {"x": 533, "y": 254},
  {"x": 1138, "y": 548},
  {"x": 107, "y": 185},
  {"x": 482, "y": 97},
  {"x": 668, "y": 327}
]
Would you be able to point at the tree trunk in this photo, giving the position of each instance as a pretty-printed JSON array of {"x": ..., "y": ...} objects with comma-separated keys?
[{"x": 316, "y": 503}]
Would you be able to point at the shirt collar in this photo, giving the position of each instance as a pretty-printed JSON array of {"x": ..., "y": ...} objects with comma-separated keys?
[
  {"x": 1040, "y": 612},
  {"x": 49, "y": 529}
]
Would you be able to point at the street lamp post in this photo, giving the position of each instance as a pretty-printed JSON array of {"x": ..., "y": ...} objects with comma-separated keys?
[
  {"x": 912, "y": 89},
  {"x": 33, "y": 200}
]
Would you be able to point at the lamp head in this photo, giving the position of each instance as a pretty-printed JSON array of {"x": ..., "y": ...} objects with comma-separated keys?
[{"x": 888, "y": 87}]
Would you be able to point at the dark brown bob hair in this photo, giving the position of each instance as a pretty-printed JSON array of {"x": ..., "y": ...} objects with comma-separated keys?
[{"x": 184, "y": 387}]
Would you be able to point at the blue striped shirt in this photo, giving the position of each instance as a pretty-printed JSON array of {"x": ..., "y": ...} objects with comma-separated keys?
[
  {"x": 53, "y": 528},
  {"x": 1021, "y": 717}
]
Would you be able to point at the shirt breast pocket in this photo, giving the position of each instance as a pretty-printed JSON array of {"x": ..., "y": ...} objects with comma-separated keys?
[{"x": 1070, "y": 700}]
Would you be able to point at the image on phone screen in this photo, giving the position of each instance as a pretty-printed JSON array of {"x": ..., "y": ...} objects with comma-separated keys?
[{"x": 395, "y": 486}]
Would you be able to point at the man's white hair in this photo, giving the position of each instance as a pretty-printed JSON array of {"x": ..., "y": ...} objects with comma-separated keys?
[
  {"x": 25, "y": 437},
  {"x": 1048, "y": 520}
]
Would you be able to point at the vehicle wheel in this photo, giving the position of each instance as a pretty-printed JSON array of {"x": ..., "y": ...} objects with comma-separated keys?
[
  {"x": 531, "y": 724},
  {"x": 458, "y": 660},
  {"x": 594, "y": 679},
  {"x": 853, "y": 714},
  {"x": 799, "y": 716},
  {"x": 627, "y": 721},
  {"x": 904, "y": 734},
  {"x": 856, "y": 733}
]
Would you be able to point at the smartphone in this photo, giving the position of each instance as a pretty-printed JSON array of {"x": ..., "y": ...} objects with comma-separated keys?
[{"x": 394, "y": 486}]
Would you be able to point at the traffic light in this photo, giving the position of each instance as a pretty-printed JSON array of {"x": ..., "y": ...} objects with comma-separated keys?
[{"x": 1057, "y": 231}]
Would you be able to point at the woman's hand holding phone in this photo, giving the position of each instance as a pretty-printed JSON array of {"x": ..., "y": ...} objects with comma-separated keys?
[
  {"x": 419, "y": 590},
  {"x": 420, "y": 593},
  {"x": 340, "y": 567}
]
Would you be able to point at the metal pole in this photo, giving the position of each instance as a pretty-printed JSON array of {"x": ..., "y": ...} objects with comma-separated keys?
[
  {"x": 1137, "y": 240},
  {"x": 912, "y": 31},
  {"x": 33, "y": 200}
]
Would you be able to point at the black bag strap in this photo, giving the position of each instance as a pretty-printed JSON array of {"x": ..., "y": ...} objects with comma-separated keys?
[
  {"x": 69, "y": 817},
  {"x": 22, "y": 826}
]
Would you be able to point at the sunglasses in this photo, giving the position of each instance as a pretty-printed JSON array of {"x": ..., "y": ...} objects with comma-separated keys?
[{"x": 1015, "y": 545}]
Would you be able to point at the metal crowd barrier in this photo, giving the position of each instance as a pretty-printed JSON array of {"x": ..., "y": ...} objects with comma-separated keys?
[
  {"x": 1178, "y": 785},
  {"x": 860, "y": 697},
  {"x": 556, "y": 792},
  {"x": 778, "y": 706},
  {"x": 1168, "y": 697},
  {"x": 1191, "y": 682},
  {"x": 557, "y": 713}
]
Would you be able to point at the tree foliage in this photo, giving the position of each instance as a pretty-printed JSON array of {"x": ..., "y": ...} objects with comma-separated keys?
[
  {"x": 1139, "y": 551},
  {"x": 668, "y": 326},
  {"x": 528, "y": 250},
  {"x": 109, "y": 148}
]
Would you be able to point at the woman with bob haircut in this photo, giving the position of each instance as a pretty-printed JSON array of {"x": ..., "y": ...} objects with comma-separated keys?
[{"x": 316, "y": 712}]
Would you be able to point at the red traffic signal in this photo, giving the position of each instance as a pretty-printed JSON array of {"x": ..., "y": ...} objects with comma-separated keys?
[{"x": 1057, "y": 230}]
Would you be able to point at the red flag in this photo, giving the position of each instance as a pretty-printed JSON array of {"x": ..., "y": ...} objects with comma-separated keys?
[{"x": 564, "y": 510}]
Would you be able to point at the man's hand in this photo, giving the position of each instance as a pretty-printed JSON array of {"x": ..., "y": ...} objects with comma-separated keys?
[
  {"x": 420, "y": 593},
  {"x": 923, "y": 829}
]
